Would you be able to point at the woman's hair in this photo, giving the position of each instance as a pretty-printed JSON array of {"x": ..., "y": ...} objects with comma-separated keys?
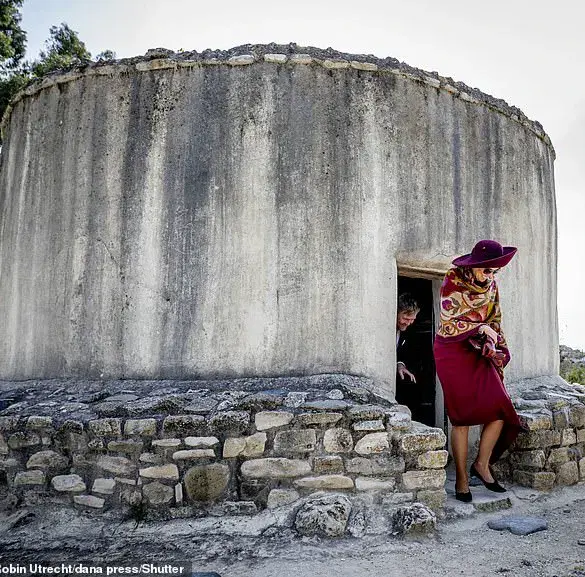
[{"x": 406, "y": 302}]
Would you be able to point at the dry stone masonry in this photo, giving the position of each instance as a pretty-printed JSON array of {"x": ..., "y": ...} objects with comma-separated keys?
[{"x": 181, "y": 449}]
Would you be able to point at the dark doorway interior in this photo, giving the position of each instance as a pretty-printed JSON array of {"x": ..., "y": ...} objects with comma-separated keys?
[{"x": 418, "y": 351}]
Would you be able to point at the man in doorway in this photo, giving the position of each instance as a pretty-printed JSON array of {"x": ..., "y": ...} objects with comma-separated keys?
[{"x": 406, "y": 311}]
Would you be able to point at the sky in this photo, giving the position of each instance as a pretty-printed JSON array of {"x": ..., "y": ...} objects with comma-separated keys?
[{"x": 529, "y": 53}]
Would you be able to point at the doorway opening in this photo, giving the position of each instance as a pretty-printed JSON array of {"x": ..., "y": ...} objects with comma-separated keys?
[{"x": 417, "y": 351}]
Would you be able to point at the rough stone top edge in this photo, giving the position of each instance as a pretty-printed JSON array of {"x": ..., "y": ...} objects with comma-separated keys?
[{"x": 279, "y": 54}]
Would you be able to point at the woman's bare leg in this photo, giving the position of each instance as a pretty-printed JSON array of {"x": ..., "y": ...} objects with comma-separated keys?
[
  {"x": 489, "y": 436},
  {"x": 459, "y": 444}
]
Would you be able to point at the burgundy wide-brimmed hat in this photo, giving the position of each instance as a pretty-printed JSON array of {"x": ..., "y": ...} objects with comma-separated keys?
[{"x": 488, "y": 253}]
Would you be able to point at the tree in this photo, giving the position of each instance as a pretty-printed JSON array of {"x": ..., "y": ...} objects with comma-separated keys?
[
  {"x": 64, "y": 50},
  {"x": 12, "y": 36}
]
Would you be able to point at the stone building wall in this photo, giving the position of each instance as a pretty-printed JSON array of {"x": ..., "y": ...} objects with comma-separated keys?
[
  {"x": 244, "y": 213},
  {"x": 221, "y": 452}
]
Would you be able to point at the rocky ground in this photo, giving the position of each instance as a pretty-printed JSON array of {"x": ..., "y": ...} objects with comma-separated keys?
[{"x": 462, "y": 545}]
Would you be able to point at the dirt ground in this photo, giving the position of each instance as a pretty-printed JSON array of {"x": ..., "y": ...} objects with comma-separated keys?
[{"x": 463, "y": 546}]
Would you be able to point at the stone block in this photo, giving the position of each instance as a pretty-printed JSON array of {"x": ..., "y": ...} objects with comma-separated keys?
[
  {"x": 178, "y": 494},
  {"x": 561, "y": 418},
  {"x": 332, "y": 464},
  {"x": 140, "y": 427},
  {"x": 324, "y": 482},
  {"x": 369, "y": 426},
  {"x": 558, "y": 457},
  {"x": 325, "y": 516},
  {"x": 372, "y": 443},
  {"x": 539, "y": 480},
  {"x": 422, "y": 439},
  {"x": 105, "y": 427},
  {"x": 124, "y": 481},
  {"x": 398, "y": 421},
  {"x": 301, "y": 59},
  {"x": 151, "y": 458},
  {"x": 252, "y": 446},
  {"x": 295, "y": 441},
  {"x": 36, "y": 422},
  {"x": 275, "y": 58},
  {"x": 327, "y": 405},
  {"x": 128, "y": 446},
  {"x": 368, "y": 412},
  {"x": 335, "y": 64},
  {"x": 582, "y": 469},
  {"x": 183, "y": 425},
  {"x": 9, "y": 423},
  {"x": 535, "y": 459},
  {"x": 241, "y": 60},
  {"x": 428, "y": 479},
  {"x": 541, "y": 420},
  {"x": 274, "y": 468},
  {"x": 266, "y": 420},
  {"x": 68, "y": 484},
  {"x": 567, "y": 474},
  {"x": 201, "y": 442},
  {"x": 580, "y": 435},
  {"x": 168, "y": 472},
  {"x": 295, "y": 399},
  {"x": 163, "y": 445},
  {"x": 376, "y": 465},
  {"x": 281, "y": 497},
  {"x": 433, "y": 459},
  {"x": 434, "y": 499},
  {"x": 103, "y": 486},
  {"x": 568, "y": 437},
  {"x": 230, "y": 422},
  {"x": 89, "y": 501},
  {"x": 413, "y": 520},
  {"x": 156, "y": 493},
  {"x": 537, "y": 439},
  {"x": 337, "y": 440},
  {"x": 577, "y": 416},
  {"x": 4, "y": 449},
  {"x": 307, "y": 419},
  {"x": 389, "y": 501},
  {"x": 206, "y": 482},
  {"x": 23, "y": 440},
  {"x": 26, "y": 478},
  {"x": 367, "y": 66},
  {"x": 374, "y": 484},
  {"x": 190, "y": 454},
  {"x": 117, "y": 465},
  {"x": 48, "y": 461}
]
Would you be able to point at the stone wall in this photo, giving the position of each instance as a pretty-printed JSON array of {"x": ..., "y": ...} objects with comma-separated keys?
[
  {"x": 113, "y": 446},
  {"x": 243, "y": 214},
  {"x": 552, "y": 450}
]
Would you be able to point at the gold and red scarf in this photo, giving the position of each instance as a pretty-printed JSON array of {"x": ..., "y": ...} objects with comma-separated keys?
[{"x": 465, "y": 306}]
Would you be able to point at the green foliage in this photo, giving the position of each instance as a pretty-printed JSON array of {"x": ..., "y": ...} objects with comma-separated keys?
[
  {"x": 574, "y": 374},
  {"x": 64, "y": 50},
  {"x": 12, "y": 36}
]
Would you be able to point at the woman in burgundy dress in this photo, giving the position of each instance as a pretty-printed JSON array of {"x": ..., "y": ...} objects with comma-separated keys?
[{"x": 470, "y": 354}]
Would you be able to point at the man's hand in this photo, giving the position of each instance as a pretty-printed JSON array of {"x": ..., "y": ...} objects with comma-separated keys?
[{"x": 403, "y": 372}]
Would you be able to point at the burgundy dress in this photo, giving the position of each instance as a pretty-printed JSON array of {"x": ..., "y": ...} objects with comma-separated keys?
[{"x": 472, "y": 378}]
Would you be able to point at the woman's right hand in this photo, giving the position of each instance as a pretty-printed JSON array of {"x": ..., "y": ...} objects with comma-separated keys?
[{"x": 489, "y": 332}]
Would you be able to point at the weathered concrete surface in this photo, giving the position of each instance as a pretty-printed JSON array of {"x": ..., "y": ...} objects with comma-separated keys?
[{"x": 222, "y": 220}]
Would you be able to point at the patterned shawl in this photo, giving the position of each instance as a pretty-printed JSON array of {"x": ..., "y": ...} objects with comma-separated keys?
[{"x": 465, "y": 306}]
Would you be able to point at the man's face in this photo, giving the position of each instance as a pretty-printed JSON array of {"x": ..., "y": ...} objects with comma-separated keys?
[{"x": 404, "y": 319}]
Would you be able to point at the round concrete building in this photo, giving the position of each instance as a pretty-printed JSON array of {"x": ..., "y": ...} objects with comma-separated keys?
[{"x": 255, "y": 212}]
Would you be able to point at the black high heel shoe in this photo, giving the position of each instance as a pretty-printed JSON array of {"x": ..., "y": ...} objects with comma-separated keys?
[
  {"x": 495, "y": 486},
  {"x": 465, "y": 497}
]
